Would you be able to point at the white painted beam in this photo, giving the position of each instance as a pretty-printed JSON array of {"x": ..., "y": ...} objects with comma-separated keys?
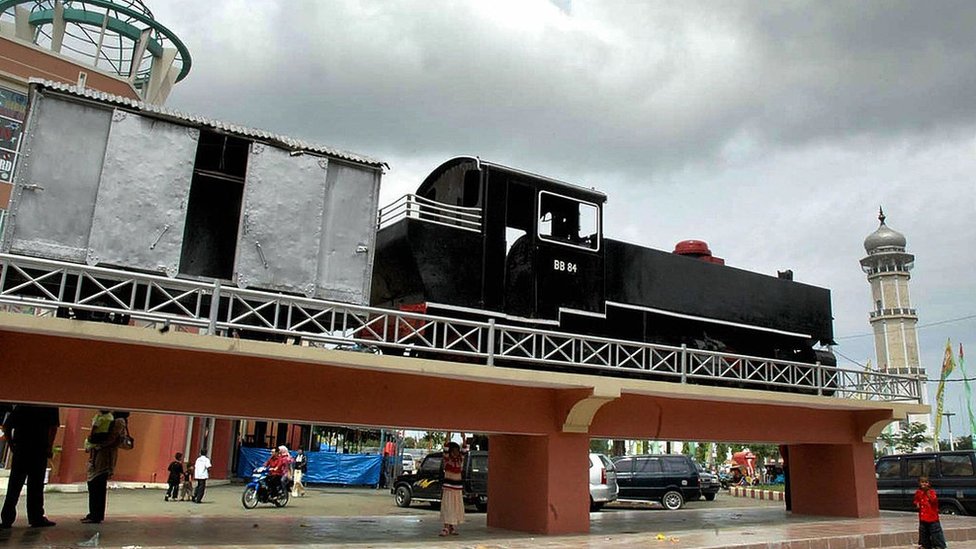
[
  {"x": 57, "y": 27},
  {"x": 24, "y": 31}
]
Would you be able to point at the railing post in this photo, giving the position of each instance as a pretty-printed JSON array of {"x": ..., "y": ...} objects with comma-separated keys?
[
  {"x": 491, "y": 341},
  {"x": 684, "y": 363},
  {"x": 820, "y": 379},
  {"x": 214, "y": 309},
  {"x": 3, "y": 273}
]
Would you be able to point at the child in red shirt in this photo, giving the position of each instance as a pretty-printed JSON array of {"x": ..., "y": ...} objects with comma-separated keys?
[{"x": 930, "y": 535}]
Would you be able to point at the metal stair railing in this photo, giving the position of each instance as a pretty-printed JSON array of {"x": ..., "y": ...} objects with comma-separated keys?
[
  {"x": 424, "y": 209},
  {"x": 223, "y": 310}
]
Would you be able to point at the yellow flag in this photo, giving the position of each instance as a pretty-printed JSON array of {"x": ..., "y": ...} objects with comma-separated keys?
[{"x": 948, "y": 364}]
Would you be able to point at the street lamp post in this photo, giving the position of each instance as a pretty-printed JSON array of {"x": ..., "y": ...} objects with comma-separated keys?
[{"x": 948, "y": 416}]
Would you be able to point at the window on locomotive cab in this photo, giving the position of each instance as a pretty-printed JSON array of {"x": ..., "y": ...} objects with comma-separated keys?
[{"x": 569, "y": 221}]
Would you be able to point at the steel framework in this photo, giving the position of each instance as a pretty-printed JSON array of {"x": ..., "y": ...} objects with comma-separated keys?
[{"x": 54, "y": 287}]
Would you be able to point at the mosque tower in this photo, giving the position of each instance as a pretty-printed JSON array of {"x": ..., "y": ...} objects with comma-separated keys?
[{"x": 893, "y": 319}]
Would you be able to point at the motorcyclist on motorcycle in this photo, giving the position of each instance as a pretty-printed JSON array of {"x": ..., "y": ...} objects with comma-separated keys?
[{"x": 279, "y": 468}]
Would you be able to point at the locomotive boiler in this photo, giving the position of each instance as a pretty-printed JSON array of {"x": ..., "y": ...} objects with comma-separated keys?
[{"x": 483, "y": 240}]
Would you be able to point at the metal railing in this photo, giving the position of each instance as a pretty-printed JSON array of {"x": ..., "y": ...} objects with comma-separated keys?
[
  {"x": 903, "y": 311},
  {"x": 221, "y": 310},
  {"x": 424, "y": 209}
]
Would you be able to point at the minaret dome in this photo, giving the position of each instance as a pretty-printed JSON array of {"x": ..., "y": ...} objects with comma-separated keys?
[{"x": 884, "y": 239}]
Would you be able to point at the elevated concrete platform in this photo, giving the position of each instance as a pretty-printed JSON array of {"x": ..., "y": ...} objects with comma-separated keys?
[
  {"x": 73, "y": 340},
  {"x": 539, "y": 422}
]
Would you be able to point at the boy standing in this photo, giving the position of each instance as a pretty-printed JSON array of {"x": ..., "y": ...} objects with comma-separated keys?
[
  {"x": 930, "y": 535},
  {"x": 175, "y": 477}
]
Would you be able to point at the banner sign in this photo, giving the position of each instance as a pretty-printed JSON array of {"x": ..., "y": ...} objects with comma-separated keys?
[
  {"x": 323, "y": 467},
  {"x": 13, "y": 111}
]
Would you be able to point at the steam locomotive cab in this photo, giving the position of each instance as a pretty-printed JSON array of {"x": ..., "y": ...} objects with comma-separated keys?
[{"x": 484, "y": 239}]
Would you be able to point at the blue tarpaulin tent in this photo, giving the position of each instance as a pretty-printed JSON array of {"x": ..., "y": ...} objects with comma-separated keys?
[{"x": 323, "y": 467}]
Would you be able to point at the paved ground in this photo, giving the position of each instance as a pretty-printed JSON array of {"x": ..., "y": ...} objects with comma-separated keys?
[
  {"x": 330, "y": 501},
  {"x": 338, "y": 517}
]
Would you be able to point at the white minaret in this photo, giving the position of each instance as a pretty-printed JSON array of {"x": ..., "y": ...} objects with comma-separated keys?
[{"x": 892, "y": 317}]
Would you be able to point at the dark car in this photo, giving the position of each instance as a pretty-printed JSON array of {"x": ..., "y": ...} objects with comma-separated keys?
[
  {"x": 952, "y": 474},
  {"x": 668, "y": 479},
  {"x": 425, "y": 483},
  {"x": 709, "y": 482}
]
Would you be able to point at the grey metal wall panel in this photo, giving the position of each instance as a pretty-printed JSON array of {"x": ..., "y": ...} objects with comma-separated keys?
[
  {"x": 141, "y": 204},
  {"x": 57, "y": 180},
  {"x": 348, "y": 234},
  {"x": 281, "y": 220}
]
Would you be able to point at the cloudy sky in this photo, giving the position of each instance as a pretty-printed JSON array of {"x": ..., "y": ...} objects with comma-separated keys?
[{"x": 772, "y": 130}]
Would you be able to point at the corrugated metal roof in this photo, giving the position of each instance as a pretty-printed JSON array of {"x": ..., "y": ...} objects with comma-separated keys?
[{"x": 161, "y": 112}]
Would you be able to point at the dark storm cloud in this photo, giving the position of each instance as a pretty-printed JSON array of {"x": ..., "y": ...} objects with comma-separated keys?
[
  {"x": 607, "y": 85},
  {"x": 873, "y": 68},
  {"x": 773, "y": 130}
]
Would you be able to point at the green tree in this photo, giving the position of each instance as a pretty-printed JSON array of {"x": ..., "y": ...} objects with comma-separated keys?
[
  {"x": 961, "y": 443},
  {"x": 764, "y": 452},
  {"x": 599, "y": 446},
  {"x": 409, "y": 442},
  {"x": 701, "y": 452},
  {"x": 888, "y": 439},
  {"x": 433, "y": 439},
  {"x": 686, "y": 448},
  {"x": 911, "y": 437},
  {"x": 721, "y": 452}
]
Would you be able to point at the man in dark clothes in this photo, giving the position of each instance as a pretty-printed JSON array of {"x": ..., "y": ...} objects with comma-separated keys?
[{"x": 31, "y": 431}]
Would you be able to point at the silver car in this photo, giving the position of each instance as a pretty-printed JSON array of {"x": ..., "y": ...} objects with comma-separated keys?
[
  {"x": 603, "y": 481},
  {"x": 408, "y": 464}
]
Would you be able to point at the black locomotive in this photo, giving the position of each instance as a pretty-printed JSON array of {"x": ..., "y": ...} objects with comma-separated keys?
[{"x": 483, "y": 240}]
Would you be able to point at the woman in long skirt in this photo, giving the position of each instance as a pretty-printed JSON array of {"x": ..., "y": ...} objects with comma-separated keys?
[{"x": 452, "y": 501}]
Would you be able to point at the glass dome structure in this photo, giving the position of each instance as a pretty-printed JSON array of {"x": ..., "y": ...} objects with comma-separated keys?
[{"x": 119, "y": 37}]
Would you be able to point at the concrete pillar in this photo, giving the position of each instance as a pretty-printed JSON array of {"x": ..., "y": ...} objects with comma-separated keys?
[
  {"x": 539, "y": 484},
  {"x": 833, "y": 480},
  {"x": 72, "y": 461}
]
